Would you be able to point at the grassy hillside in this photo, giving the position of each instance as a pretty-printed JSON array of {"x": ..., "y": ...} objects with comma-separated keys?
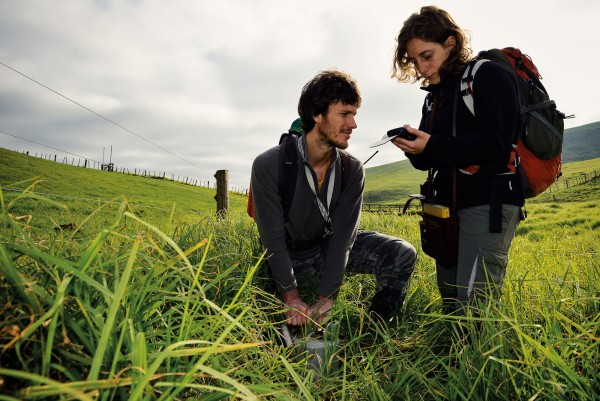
[
  {"x": 582, "y": 143},
  {"x": 392, "y": 183},
  {"x": 567, "y": 188},
  {"x": 83, "y": 190},
  {"x": 141, "y": 301},
  {"x": 387, "y": 184}
]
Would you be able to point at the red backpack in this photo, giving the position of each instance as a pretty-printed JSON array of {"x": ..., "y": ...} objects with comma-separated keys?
[{"x": 538, "y": 142}]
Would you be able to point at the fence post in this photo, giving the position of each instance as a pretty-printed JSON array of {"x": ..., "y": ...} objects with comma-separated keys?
[{"x": 222, "y": 196}]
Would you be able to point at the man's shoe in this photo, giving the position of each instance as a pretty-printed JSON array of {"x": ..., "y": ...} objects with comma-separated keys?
[{"x": 386, "y": 302}]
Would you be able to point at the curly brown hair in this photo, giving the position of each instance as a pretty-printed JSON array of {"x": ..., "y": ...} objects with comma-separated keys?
[{"x": 431, "y": 24}]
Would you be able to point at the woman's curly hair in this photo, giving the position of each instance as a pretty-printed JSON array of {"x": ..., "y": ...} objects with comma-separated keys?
[{"x": 431, "y": 24}]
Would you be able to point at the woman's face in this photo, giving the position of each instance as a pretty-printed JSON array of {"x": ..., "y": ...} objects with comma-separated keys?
[{"x": 428, "y": 57}]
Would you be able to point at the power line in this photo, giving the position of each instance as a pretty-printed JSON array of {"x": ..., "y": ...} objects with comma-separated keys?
[
  {"x": 47, "y": 146},
  {"x": 74, "y": 154},
  {"x": 57, "y": 149},
  {"x": 101, "y": 116}
]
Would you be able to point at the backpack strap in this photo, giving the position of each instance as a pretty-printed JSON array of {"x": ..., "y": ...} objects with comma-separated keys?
[
  {"x": 288, "y": 175},
  {"x": 467, "y": 83},
  {"x": 466, "y": 90},
  {"x": 345, "y": 168},
  {"x": 288, "y": 170}
]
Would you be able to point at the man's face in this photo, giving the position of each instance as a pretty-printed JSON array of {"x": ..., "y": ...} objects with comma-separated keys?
[{"x": 336, "y": 126}]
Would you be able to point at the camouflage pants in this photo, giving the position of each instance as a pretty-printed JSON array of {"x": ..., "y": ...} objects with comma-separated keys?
[{"x": 390, "y": 259}]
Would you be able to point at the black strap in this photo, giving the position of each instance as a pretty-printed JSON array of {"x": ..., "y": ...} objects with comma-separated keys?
[
  {"x": 454, "y": 168},
  {"x": 427, "y": 187},
  {"x": 288, "y": 175},
  {"x": 303, "y": 245},
  {"x": 412, "y": 197},
  {"x": 345, "y": 168},
  {"x": 288, "y": 171}
]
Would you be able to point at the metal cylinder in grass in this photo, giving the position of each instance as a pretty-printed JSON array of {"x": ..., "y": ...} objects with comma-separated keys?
[{"x": 320, "y": 346}]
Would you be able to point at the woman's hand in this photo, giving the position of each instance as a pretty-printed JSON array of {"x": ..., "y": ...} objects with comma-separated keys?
[{"x": 415, "y": 146}]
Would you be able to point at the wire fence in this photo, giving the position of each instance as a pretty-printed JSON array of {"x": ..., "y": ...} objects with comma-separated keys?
[
  {"x": 578, "y": 179},
  {"x": 111, "y": 167}
]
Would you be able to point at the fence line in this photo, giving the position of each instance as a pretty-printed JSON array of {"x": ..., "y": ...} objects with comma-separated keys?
[
  {"x": 110, "y": 167},
  {"x": 579, "y": 179}
]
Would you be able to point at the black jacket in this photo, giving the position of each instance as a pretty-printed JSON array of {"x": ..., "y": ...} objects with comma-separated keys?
[{"x": 485, "y": 139}]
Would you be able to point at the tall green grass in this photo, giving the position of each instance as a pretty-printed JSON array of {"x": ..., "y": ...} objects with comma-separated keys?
[
  {"x": 130, "y": 314},
  {"x": 125, "y": 307},
  {"x": 87, "y": 191}
]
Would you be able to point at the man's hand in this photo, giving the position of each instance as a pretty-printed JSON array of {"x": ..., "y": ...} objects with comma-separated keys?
[
  {"x": 319, "y": 312},
  {"x": 297, "y": 313}
]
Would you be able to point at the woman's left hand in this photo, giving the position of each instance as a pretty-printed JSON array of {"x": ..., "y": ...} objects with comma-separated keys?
[{"x": 415, "y": 146}]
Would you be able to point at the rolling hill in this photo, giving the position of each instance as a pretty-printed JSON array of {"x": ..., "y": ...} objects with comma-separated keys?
[
  {"x": 89, "y": 187},
  {"x": 582, "y": 143},
  {"x": 392, "y": 183}
]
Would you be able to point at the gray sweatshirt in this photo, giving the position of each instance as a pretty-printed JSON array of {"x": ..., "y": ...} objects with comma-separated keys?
[{"x": 305, "y": 219}]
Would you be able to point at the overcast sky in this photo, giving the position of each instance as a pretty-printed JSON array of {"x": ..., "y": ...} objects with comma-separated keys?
[{"x": 200, "y": 86}]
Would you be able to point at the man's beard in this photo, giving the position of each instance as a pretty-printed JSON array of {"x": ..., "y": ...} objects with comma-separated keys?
[{"x": 323, "y": 130}]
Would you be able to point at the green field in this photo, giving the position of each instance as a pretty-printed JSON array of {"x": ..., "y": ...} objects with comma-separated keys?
[
  {"x": 84, "y": 190},
  {"x": 120, "y": 287},
  {"x": 392, "y": 183}
]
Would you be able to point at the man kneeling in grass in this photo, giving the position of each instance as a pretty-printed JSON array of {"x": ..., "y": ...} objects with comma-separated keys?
[{"x": 318, "y": 234}]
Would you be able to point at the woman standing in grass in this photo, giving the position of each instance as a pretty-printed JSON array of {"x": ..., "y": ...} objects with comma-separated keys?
[{"x": 451, "y": 141}]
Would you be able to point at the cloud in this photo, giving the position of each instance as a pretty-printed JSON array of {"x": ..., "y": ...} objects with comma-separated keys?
[{"x": 194, "y": 87}]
